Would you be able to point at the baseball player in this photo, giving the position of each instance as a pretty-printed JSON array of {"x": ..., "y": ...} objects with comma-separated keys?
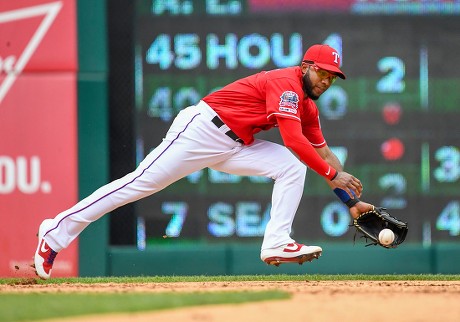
[{"x": 218, "y": 132}]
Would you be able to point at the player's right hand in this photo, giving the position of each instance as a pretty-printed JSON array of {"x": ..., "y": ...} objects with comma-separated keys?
[{"x": 349, "y": 183}]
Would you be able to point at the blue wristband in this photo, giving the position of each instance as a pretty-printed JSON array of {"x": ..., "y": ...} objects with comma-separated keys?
[
  {"x": 342, "y": 194},
  {"x": 345, "y": 198}
]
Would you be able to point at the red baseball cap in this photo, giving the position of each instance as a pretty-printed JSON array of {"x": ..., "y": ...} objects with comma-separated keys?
[{"x": 325, "y": 57}]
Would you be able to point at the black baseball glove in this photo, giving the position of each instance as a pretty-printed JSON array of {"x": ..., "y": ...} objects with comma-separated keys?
[{"x": 370, "y": 223}]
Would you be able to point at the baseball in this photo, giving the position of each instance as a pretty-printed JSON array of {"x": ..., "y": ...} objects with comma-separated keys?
[{"x": 386, "y": 236}]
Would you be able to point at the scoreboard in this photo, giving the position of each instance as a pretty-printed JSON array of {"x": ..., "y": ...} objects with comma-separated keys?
[{"x": 394, "y": 122}]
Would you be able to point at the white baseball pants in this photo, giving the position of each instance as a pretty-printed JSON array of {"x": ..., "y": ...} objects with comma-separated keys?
[{"x": 192, "y": 143}]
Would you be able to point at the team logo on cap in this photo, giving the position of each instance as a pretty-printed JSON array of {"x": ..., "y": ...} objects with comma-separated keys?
[
  {"x": 289, "y": 102},
  {"x": 336, "y": 57}
]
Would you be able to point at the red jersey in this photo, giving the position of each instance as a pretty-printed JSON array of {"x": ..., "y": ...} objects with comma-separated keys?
[{"x": 250, "y": 105}]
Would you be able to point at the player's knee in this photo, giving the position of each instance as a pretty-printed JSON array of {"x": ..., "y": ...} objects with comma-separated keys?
[
  {"x": 294, "y": 170},
  {"x": 300, "y": 170}
]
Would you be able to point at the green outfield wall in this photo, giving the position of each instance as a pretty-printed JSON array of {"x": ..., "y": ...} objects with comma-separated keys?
[
  {"x": 93, "y": 143},
  {"x": 242, "y": 259}
]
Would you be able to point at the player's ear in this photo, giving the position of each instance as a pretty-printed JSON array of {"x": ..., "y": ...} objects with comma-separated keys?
[{"x": 304, "y": 66}]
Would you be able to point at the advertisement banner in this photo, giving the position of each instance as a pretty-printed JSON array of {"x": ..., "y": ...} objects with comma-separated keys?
[{"x": 38, "y": 127}]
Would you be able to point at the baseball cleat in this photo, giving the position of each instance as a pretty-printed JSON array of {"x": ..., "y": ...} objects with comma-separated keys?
[
  {"x": 44, "y": 255},
  {"x": 290, "y": 253}
]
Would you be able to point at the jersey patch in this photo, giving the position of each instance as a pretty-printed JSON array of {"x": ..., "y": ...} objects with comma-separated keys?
[{"x": 289, "y": 102}]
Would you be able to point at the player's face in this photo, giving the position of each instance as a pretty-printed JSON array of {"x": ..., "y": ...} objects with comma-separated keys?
[{"x": 316, "y": 81}]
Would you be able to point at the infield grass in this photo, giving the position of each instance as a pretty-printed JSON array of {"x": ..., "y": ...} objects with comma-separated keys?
[
  {"x": 239, "y": 278},
  {"x": 36, "y": 305}
]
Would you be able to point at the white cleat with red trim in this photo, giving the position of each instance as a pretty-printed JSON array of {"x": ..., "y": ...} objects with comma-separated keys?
[
  {"x": 44, "y": 255},
  {"x": 290, "y": 253}
]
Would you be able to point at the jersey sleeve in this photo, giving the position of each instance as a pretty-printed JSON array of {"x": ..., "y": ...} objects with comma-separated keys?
[
  {"x": 283, "y": 98},
  {"x": 311, "y": 126},
  {"x": 292, "y": 137}
]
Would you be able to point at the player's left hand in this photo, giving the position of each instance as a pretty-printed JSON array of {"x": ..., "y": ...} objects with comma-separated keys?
[
  {"x": 359, "y": 208},
  {"x": 370, "y": 223}
]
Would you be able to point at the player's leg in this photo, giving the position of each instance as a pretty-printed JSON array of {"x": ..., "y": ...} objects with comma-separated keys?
[
  {"x": 275, "y": 161},
  {"x": 192, "y": 143}
]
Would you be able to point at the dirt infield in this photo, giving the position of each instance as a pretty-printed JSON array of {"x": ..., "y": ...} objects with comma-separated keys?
[{"x": 396, "y": 301}]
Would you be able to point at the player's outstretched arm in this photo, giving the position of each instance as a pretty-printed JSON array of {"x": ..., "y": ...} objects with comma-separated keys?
[
  {"x": 322, "y": 160},
  {"x": 343, "y": 180},
  {"x": 291, "y": 133}
]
